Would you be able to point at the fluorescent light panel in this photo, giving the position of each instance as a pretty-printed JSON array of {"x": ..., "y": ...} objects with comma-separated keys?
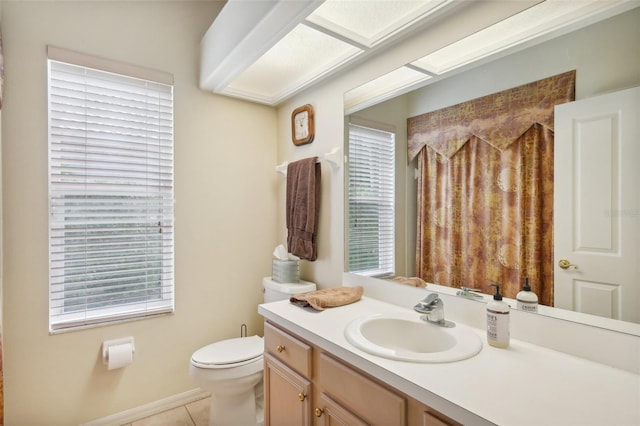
[
  {"x": 299, "y": 58},
  {"x": 530, "y": 24},
  {"x": 391, "y": 84},
  {"x": 370, "y": 22},
  {"x": 337, "y": 31},
  {"x": 340, "y": 30}
]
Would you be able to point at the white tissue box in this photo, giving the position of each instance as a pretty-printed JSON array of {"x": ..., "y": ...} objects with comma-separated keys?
[{"x": 285, "y": 271}]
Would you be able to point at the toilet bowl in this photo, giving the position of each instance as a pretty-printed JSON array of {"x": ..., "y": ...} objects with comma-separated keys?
[{"x": 232, "y": 370}]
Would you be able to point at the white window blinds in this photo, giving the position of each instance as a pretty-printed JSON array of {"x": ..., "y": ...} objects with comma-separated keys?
[
  {"x": 371, "y": 201},
  {"x": 111, "y": 196}
]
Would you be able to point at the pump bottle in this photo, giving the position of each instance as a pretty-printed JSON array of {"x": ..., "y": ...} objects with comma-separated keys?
[
  {"x": 497, "y": 321},
  {"x": 527, "y": 299}
]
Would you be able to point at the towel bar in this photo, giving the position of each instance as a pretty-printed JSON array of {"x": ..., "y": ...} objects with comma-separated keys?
[{"x": 333, "y": 157}]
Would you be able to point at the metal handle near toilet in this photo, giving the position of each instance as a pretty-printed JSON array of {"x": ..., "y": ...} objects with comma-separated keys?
[{"x": 280, "y": 348}]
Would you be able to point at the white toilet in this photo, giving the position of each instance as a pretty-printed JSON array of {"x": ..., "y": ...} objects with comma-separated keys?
[{"x": 232, "y": 369}]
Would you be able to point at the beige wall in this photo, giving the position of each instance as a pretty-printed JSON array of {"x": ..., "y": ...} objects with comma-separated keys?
[{"x": 225, "y": 151}]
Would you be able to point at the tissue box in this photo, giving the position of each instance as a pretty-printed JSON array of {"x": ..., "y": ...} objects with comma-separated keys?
[{"x": 285, "y": 271}]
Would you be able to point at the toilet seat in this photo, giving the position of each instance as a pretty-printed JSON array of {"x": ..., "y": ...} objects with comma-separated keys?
[{"x": 229, "y": 353}]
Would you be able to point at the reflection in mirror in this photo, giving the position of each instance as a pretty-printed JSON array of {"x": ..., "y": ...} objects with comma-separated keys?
[
  {"x": 485, "y": 188},
  {"x": 590, "y": 51}
]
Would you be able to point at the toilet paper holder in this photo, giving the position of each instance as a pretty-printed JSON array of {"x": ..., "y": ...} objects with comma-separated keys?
[{"x": 108, "y": 343}]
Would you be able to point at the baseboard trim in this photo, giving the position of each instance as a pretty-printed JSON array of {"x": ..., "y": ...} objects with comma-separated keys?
[{"x": 150, "y": 409}]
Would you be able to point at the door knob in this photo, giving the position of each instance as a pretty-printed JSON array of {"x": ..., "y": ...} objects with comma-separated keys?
[
  {"x": 280, "y": 348},
  {"x": 318, "y": 412},
  {"x": 565, "y": 264}
]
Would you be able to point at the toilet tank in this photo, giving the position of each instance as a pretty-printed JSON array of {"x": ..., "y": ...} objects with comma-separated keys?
[{"x": 274, "y": 291}]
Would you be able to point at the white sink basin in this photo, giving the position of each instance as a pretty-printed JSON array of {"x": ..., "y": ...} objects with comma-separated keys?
[{"x": 404, "y": 336}]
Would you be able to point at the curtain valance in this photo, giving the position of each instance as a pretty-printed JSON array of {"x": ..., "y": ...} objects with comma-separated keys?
[{"x": 499, "y": 119}]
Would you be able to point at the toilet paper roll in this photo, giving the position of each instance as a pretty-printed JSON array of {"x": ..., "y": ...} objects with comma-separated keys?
[{"x": 119, "y": 356}]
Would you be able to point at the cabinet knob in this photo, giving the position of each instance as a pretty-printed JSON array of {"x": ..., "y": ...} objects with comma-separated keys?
[
  {"x": 301, "y": 396},
  {"x": 318, "y": 412},
  {"x": 280, "y": 348}
]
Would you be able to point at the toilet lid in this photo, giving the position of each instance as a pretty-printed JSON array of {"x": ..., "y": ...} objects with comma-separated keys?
[{"x": 230, "y": 351}]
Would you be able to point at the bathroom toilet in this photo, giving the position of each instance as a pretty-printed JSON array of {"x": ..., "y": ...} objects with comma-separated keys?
[{"x": 232, "y": 369}]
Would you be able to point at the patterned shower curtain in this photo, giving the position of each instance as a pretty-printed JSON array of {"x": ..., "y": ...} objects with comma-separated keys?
[{"x": 485, "y": 189}]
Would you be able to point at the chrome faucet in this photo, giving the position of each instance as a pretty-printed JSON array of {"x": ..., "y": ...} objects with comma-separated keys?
[{"x": 433, "y": 309}]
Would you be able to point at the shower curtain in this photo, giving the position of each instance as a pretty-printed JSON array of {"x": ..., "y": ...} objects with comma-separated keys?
[{"x": 485, "y": 189}]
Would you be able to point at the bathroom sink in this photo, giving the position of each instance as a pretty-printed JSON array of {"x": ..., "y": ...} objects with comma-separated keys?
[{"x": 403, "y": 336}]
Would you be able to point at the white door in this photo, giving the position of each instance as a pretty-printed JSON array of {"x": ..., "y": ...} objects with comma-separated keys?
[{"x": 597, "y": 205}]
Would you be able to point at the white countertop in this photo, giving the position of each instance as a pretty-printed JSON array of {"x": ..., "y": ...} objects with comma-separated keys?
[{"x": 521, "y": 385}]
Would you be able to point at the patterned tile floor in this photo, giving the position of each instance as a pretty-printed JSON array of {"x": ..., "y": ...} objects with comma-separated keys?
[{"x": 193, "y": 414}]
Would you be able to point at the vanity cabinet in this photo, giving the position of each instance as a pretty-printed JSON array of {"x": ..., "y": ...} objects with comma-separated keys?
[
  {"x": 286, "y": 395},
  {"x": 287, "y": 378},
  {"x": 305, "y": 385},
  {"x": 333, "y": 413}
]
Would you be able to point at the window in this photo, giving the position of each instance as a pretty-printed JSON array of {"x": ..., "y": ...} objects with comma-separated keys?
[
  {"x": 371, "y": 201},
  {"x": 110, "y": 191}
]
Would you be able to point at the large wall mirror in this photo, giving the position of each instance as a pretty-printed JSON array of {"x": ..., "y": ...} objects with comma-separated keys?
[{"x": 603, "y": 54}]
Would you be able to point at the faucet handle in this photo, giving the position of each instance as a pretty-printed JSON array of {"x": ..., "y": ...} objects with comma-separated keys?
[
  {"x": 430, "y": 299},
  {"x": 470, "y": 293},
  {"x": 429, "y": 303}
]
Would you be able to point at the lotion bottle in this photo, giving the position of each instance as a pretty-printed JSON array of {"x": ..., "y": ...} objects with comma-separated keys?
[
  {"x": 497, "y": 321},
  {"x": 527, "y": 299}
]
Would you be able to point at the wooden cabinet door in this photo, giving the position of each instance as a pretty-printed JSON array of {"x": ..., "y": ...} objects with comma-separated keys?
[
  {"x": 430, "y": 419},
  {"x": 287, "y": 395},
  {"x": 370, "y": 401},
  {"x": 420, "y": 414},
  {"x": 330, "y": 413}
]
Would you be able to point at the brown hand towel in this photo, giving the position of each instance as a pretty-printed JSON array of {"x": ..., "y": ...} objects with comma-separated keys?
[
  {"x": 414, "y": 281},
  {"x": 303, "y": 207},
  {"x": 328, "y": 298}
]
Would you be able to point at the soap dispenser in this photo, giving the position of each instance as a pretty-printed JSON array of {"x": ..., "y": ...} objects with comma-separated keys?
[
  {"x": 527, "y": 299},
  {"x": 497, "y": 321}
]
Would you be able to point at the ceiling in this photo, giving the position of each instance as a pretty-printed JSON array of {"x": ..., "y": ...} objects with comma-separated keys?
[{"x": 267, "y": 51}]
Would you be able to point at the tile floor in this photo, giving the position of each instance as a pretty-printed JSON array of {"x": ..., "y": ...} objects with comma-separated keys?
[{"x": 193, "y": 414}]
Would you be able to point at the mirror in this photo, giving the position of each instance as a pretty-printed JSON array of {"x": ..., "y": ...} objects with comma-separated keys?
[{"x": 592, "y": 51}]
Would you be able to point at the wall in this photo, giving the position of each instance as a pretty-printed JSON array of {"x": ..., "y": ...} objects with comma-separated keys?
[{"x": 225, "y": 189}]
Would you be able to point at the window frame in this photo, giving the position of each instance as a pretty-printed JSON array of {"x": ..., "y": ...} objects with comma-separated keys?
[
  {"x": 162, "y": 201},
  {"x": 386, "y": 242}
]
